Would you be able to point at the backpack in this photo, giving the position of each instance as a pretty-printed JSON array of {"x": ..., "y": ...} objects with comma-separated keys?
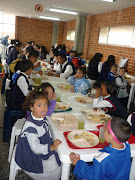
[
  {"x": 13, "y": 64},
  {"x": 75, "y": 61}
]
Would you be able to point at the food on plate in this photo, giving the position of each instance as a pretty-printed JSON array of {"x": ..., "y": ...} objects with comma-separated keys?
[
  {"x": 83, "y": 139},
  {"x": 80, "y": 99},
  {"x": 97, "y": 117},
  {"x": 61, "y": 106}
]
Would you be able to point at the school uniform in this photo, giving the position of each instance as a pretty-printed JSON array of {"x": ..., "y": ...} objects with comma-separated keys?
[
  {"x": 67, "y": 69},
  {"x": 57, "y": 68},
  {"x": 33, "y": 153},
  {"x": 111, "y": 105},
  {"x": 80, "y": 85},
  {"x": 21, "y": 89},
  {"x": 122, "y": 90},
  {"x": 13, "y": 55},
  {"x": 111, "y": 164},
  {"x": 111, "y": 77}
]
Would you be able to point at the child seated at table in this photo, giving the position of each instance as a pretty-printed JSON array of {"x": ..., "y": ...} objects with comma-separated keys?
[
  {"x": 122, "y": 87},
  {"x": 81, "y": 84},
  {"x": 47, "y": 87},
  {"x": 21, "y": 86},
  {"x": 35, "y": 153},
  {"x": 113, "y": 73},
  {"x": 71, "y": 55},
  {"x": 106, "y": 99},
  {"x": 114, "y": 161}
]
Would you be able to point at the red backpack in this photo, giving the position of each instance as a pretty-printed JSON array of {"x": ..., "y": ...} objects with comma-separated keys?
[{"x": 75, "y": 61}]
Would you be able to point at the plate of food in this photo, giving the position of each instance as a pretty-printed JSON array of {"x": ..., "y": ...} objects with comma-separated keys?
[
  {"x": 63, "y": 86},
  {"x": 61, "y": 107},
  {"x": 86, "y": 111},
  {"x": 64, "y": 121},
  {"x": 83, "y": 139},
  {"x": 84, "y": 100},
  {"x": 97, "y": 116}
]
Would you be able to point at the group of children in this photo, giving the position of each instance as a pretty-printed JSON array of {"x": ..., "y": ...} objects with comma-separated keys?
[
  {"x": 35, "y": 152},
  {"x": 41, "y": 160}
]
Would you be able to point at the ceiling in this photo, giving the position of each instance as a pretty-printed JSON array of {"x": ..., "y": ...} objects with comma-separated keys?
[{"x": 26, "y": 8}]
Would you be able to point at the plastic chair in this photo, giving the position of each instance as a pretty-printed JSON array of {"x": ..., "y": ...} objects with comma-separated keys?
[
  {"x": 132, "y": 170},
  {"x": 8, "y": 124},
  {"x": 16, "y": 131},
  {"x": 13, "y": 167}
]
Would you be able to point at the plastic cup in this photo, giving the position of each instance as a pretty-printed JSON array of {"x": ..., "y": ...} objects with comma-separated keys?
[
  {"x": 101, "y": 135},
  {"x": 67, "y": 87},
  {"x": 58, "y": 98},
  {"x": 81, "y": 122}
]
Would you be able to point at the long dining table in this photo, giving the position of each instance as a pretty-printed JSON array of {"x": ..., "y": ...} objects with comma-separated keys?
[{"x": 63, "y": 149}]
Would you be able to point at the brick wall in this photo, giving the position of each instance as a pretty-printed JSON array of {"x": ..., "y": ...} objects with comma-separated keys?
[
  {"x": 37, "y": 30},
  {"x": 115, "y": 18}
]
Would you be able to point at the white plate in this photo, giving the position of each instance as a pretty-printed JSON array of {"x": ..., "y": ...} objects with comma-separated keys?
[
  {"x": 97, "y": 116},
  {"x": 61, "y": 106},
  {"x": 84, "y": 100},
  {"x": 64, "y": 119},
  {"x": 91, "y": 110},
  {"x": 62, "y": 86},
  {"x": 83, "y": 139}
]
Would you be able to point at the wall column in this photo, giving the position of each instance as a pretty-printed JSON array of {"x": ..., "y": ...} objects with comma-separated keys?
[
  {"x": 80, "y": 32},
  {"x": 55, "y": 33}
]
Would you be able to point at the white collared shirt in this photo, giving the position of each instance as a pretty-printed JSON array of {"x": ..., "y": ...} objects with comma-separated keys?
[
  {"x": 23, "y": 84},
  {"x": 68, "y": 70}
]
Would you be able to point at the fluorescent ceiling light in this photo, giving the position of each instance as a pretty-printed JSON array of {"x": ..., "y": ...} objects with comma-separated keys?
[
  {"x": 109, "y": 0},
  {"x": 49, "y": 18},
  {"x": 63, "y": 11}
]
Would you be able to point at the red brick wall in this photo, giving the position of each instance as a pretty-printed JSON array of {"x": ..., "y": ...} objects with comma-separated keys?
[
  {"x": 37, "y": 30},
  {"x": 70, "y": 25},
  {"x": 115, "y": 18}
]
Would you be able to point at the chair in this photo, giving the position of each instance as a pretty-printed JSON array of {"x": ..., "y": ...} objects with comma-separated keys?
[
  {"x": 132, "y": 170},
  {"x": 16, "y": 130},
  {"x": 13, "y": 167},
  {"x": 8, "y": 123}
]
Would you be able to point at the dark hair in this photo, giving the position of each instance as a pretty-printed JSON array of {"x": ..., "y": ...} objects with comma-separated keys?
[
  {"x": 62, "y": 55},
  {"x": 110, "y": 87},
  {"x": 121, "y": 129},
  {"x": 32, "y": 96},
  {"x": 17, "y": 43},
  {"x": 80, "y": 54},
  {"x": 95, "y": 58},
  {"x": 71, "y": 51},
  {"x": 44, "y": 50},
  {"x": 0, "y": 60},
  {"x": 33, "y": 53},
  {"x": 24, "y": 65},
  {"x": 75, "y": 54},
  {"x": 63, "y": 48},
  {"x": 83, "y": 69},
  {"x": 45, "y": 85},
  {"x": 29, "y": 49},
  {"x": 110, "y": 61},
  {"x": 122, "y": 68},
  {"x": 97, "y": 85},
  {"x": 38, "y": 46},
  {"x": 114, "y": 65},
  {"x": 55, "y": 52},
  {"x": 12, "y": 41}
]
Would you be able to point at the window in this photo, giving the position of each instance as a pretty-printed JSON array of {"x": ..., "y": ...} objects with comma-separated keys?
[
  {"x": 7, "y": 26},
  {"x": 120, "y": 35},
  {"x": 71, "y": 35}
]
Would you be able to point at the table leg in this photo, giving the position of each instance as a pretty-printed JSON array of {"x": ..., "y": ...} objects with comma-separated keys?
[
  {"x": 131, "y": 94},
  {"x": 65, "y": 171}
]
